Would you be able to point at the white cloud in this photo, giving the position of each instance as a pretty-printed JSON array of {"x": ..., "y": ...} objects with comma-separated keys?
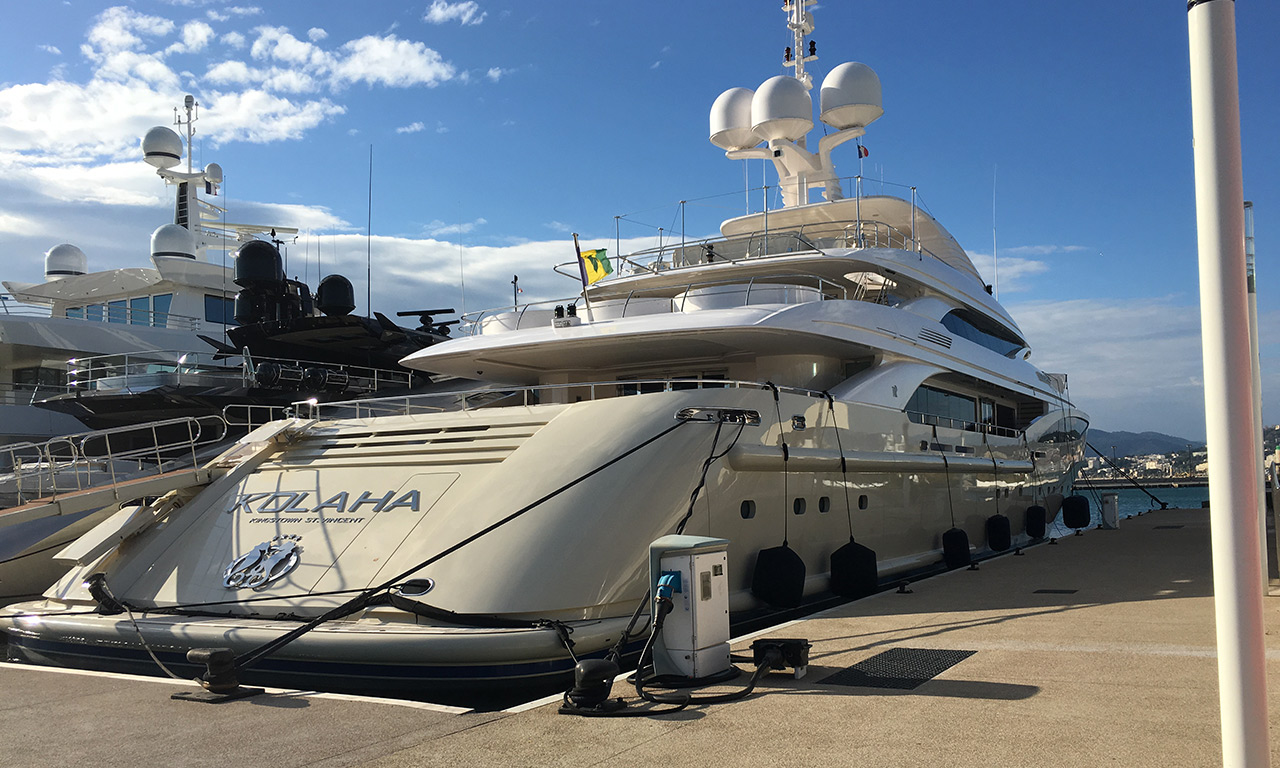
[
  {"x": 497, "y": 73},
  {"x": 1012, "y": 272},
  {"x": 236, "y": 10},
  {"x": 390, "y": 61},
  {"x": 1043, "y": 250},
  {"x": 413, "y": 127},
  {"x": 316, "y": 34},
  {"x": 465, "y": 13},
  {"x": 55, "y": 50},
  {"x": 233, "y": 40},
  {"x": 441, "y": 127},
  {"x": 258, "y": 116},
  {"x": 122, "y": 29},
  {"x": 1130, "y": 363},
  {"x": 196, "y": 35},
  {"x": 439, "y": 228}
]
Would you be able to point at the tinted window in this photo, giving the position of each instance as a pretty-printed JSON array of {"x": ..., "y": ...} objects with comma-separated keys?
[
  {"x": 219, "y": 310},
  {"x": 980, "y": 331},
  {"x": 140, "y": 311},
  {"x": 160, "y": 304}
]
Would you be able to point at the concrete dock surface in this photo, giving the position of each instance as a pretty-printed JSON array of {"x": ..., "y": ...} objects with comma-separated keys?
[{"x": 1097, "y": 650}]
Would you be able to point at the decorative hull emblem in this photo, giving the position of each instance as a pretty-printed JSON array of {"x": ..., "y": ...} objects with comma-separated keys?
[{"x": 265, "y": 563}]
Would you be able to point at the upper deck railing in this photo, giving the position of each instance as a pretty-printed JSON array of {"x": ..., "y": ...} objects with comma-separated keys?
[
  {"x": 117, "y": 312},
  {"x": 787, "y": 288},
  {"x": 138, "y": 370},
  {"x": 467, "y": 400}
]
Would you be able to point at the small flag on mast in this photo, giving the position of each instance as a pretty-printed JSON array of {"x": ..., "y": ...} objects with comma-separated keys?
[
  {"x": 594, "y": 265},
  {"x": 862, "y": 151}
]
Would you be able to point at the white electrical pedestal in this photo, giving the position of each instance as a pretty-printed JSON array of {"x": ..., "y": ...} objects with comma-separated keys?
[
  {"x": 694, "y": 642},
  {"x": 1110, "y": 511}
]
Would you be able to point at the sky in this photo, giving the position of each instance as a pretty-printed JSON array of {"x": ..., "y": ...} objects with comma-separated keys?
[{"x": 486, "y": 133}]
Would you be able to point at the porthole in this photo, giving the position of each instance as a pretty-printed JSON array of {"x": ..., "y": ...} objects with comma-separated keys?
[
  {"x": 748, "y": 509},
  {"x": 862, "y": 501},
  {"x": 824, "y": 505},
  {"x": 798, "y": 505}
]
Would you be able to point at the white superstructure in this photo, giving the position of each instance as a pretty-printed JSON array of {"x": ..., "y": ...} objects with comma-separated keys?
[
  {"x": 77, "y": 312},
  {"x": 831, "y": 372}
]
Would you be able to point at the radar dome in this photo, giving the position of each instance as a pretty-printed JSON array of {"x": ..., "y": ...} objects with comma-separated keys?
[
  {"x": 173, "y": 240},
  {"x": 161, "y": 147},
  {"x": 731, "y": 120},
  {"x": 64, "y": 261},
  {"x": 213, "y": 172},
  {"x": 258, "y": 263},
  {"x": 850, "y": 96},
  {"x": 335, "y": 296},
  {"x": 781, "y": 109}
]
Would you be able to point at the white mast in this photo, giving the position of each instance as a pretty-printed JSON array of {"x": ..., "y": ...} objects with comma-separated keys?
[
  {"x": 800, "y": 22},
  {"x": 1228, "y": 390}
]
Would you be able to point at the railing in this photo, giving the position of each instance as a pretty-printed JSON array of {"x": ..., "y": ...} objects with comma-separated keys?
[
  {"x": 127, "y": 315},
  {"x": 70, "y": 463},
  {"x": 678, "y": 299},
  {"x": 467, "y": 400},
  {"x": 26, "y": 394},
  {"x": 13, "y": 305},
  {"x": 253, "y": 415},
  {"x": 932, "y": 420},
  {"x": 176, "y": 367},
  {"x": 152, "y": 367}
]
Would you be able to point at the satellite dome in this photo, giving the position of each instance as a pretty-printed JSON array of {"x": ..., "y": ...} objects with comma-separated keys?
[
  {"x": 781, "y": 109},
  {"x": 335, "y": 296},
  {"x": 64, "y": 261},
  {"x": 213, "y": 172},
  {"x": 258, "y": 263},
  {"x": 731, "y": 120},
  {"x": 850, "y": 96},
  {"x": 161, "y": 147},
  {"x": 173, "y": 240}
]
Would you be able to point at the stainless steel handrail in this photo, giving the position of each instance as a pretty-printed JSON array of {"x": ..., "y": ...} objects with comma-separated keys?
[
  {"x": 459, "y": 400},
  {"x": 71, "y": 458}
]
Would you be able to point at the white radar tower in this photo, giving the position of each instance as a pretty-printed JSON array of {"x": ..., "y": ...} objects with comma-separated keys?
[{"x": 779, "y": 113}]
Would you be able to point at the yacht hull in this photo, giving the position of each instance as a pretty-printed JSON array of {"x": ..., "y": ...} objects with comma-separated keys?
[{"x": 557, "y": 504}]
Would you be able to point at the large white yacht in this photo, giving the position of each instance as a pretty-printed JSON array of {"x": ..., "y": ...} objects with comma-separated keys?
[
  {"x": 78, "y": 313},
  {"x": 829, "y": 386}
]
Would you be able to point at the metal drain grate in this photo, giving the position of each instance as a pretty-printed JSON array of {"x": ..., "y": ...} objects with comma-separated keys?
[
  {"x": 1055, "y": 592},
  {"x": 1167, "y": 527},
  {"x": 898, "y": 668}
]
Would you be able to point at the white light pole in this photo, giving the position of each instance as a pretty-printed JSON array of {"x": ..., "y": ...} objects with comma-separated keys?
[{"x": 1228, "y": 386}]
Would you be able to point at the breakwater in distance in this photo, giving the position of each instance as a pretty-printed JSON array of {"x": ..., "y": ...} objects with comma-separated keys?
[{"x": 1120, "y": 483}]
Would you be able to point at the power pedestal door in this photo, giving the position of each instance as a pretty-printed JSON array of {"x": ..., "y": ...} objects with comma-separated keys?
[{"x": 695, "y": 636}]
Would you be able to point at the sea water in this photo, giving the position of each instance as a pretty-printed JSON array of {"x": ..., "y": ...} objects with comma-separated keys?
[{"x": 1133, "y": 502}]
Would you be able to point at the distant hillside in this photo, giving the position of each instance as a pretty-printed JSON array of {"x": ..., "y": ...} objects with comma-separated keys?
[{"x": 1138, "y": 443}]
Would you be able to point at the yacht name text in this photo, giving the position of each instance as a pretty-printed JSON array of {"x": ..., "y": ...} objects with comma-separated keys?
[{"x": 342, "y": 503}]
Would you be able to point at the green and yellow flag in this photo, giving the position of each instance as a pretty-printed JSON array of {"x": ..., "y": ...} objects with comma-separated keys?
[{"x": 595, "y": 265}]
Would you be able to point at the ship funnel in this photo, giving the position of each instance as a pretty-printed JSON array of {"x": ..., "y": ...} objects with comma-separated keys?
[
  {"x": 161, "y": 147},
  {"x": 731, "y": 120},
  {"x": 850, "y": 96}
]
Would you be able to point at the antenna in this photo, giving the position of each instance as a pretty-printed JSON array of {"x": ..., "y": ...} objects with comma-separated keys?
[
  {"x": 368, "y": 242},
  {"x": 995, "y": 265},
  {"x": 800, "y": 22},
  {"x": 192, "y": 108}
]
